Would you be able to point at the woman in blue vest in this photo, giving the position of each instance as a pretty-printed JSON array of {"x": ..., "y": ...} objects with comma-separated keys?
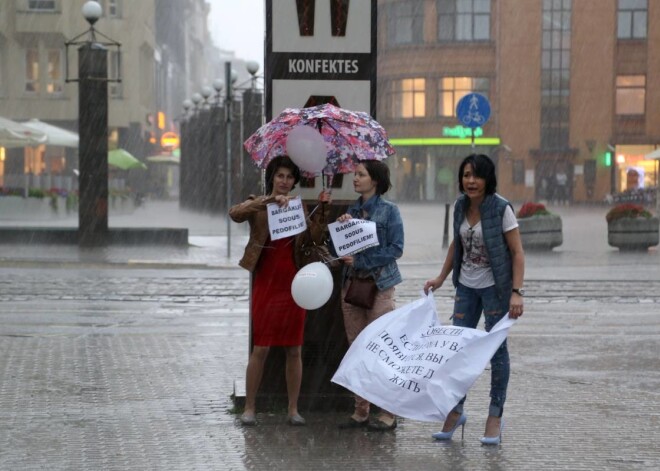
[{"x": 488, "y": 265}]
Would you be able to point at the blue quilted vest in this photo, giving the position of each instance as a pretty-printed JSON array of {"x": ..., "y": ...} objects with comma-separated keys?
[{"x": 492, "y": 213}]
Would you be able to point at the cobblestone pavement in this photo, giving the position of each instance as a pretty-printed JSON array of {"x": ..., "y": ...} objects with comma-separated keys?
[{"x": 113, "y": 367}]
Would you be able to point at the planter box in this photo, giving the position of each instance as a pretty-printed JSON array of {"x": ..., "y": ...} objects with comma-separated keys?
[
  {"x": 633, "y": 233},
  {"x": 541, "y": 232}
]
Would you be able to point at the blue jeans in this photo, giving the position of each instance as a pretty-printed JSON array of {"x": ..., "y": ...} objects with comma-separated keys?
[{"x": 468, "y": 306}]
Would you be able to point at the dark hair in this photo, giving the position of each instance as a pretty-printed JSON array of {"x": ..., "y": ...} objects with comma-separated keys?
[
  {"x": 380, "y": 173},
  {"x": 279, "y": 162},
  {"x": 482, "y": 167}
]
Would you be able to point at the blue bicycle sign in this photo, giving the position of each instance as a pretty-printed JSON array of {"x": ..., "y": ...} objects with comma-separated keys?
[{"x": 473, "y": 110}]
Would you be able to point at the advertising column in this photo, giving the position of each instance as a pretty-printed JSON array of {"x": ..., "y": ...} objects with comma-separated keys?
[{"x": 319, "y": 51}]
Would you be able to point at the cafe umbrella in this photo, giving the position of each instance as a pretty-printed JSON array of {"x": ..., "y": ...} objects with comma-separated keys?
[
  {"x": 13, "y": 134},
  {"x": 124, "y": 160}
]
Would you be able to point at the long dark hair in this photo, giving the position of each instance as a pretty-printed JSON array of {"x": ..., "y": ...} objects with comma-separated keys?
[
  {"x": 279, "y": 162},
  {"x": 380, "y": 173},
  {"x": 483, "y": 167}
]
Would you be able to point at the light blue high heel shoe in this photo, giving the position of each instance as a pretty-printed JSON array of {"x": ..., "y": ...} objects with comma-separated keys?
[
  {"x": 447, "y": 435},
  {"x": 493, "y": 440}
]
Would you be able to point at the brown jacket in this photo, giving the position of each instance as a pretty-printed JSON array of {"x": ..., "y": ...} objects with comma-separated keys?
[{"x": 253, "y": 210}]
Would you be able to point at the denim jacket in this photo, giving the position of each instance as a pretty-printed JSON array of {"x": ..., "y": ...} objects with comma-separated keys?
[
  {"x": 492, "y": 212},
  {"x": 380, "y": 261}
]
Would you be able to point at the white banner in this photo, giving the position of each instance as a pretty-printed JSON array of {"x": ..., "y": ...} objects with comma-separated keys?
[
  {"x": 409, "y": 364},
  {"x": 286, "y": 221},
  {"x": 353, "y": 236}
]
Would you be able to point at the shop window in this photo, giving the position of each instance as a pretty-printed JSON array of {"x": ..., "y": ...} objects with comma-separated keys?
[
  {"x": 463, "y": 20},
  {"x": 452, "y": 89},
  {"x": 407, "y": 98},
  {"x": 405, "y": 22},
  {"x": 632, "y": 19},
  {"x": 630, "y": 94}
]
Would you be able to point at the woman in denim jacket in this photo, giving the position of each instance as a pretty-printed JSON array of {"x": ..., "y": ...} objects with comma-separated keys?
[{"x": 371, "y": 181}]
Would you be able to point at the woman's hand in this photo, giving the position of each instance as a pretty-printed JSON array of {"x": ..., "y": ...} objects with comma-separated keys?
[
  {"x": 432, "y": 284},
  {"x": 347, "y": 259},
  {"x": 344, "y": 217},
  {"x": 325, "y": 196},
  {"x": 515, "y": 306},
  {"x": 282, "y": 201}
]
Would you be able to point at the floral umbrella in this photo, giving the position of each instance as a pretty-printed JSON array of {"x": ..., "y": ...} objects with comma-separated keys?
[{"x": 349, "y": 135}]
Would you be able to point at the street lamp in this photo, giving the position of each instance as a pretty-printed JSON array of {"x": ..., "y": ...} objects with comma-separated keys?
[
  {"x": 206, "y": 93},
  {"x": 93, "y": 125},
  {"x": 196, "y": 99},
  {"x": 218, "y": 85},
  {"x": 187, "y": 105}
]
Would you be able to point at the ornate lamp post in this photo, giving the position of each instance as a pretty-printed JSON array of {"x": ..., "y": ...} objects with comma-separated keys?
[{"x": 92, "y": 127}]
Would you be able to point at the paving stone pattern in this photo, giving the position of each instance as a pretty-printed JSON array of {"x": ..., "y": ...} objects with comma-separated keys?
[{"x": 108, "y": 368}]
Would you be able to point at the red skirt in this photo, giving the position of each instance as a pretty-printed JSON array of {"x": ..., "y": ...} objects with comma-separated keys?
[{"x": 276, "y": 319}]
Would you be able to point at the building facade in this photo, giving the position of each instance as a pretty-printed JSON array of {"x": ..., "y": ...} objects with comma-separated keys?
[
  {"x": 572, "y": 110},
  {"x": 161, "y": 59}
]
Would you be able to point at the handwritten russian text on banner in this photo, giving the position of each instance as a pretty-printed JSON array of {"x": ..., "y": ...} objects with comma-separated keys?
[
  {"x": 353, "y": 236},
  {"x": 409, "y": 364},
  {"x": 286, "y": 221}
]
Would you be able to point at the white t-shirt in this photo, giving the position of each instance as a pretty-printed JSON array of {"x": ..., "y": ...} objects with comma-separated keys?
[{"x": 475, "y": 268}]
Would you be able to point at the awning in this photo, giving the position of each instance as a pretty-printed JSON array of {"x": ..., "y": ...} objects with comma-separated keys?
[{"x": 655, "y": 155}]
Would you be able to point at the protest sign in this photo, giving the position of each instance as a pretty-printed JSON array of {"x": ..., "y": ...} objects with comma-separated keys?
[
  {"x": 286, "y": 221},
  {"x": 409, "y": 364},
  {"x": 353, "y": 236}
]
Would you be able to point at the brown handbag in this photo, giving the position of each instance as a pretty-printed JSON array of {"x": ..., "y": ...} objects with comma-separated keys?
[{"x": 361, "y": 291}]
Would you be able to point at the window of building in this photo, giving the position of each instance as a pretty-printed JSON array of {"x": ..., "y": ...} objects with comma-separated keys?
[
  {"x": 555, "y": 73},
  {"x": 55, "y": 83},
  {"x": 113, "y": 8},
  {"x": 463, "y": 20},
  {"x": 630, "y": 94},
  {"x": 408, "y": 98},
  {"x": 41, "y": 5},
  {"x": 452, "y": 89},
  {"x": 114, "y": 68},
  {"x": 518, "y": 169},
  {"x": 44, "y": 70},
  {"x": 405, "y": 23},
  {"x": 632, "y": 19},
  {"x": 2, "y": 68},
  {"x": 32, "y": 70}
]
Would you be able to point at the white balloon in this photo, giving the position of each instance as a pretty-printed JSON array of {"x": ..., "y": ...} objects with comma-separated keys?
[
  {"x": 312, "y": 286},
  {"x": 307, "y": 149}
]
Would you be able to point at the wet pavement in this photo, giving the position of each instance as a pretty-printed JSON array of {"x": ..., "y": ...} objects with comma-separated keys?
[{"x": 125, "y": 358}]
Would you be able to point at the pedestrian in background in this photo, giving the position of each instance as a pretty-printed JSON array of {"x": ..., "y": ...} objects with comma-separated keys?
[
  {"x": 488, "y": 264},
  {"x": 276, "y": 319},
  {"x": 371, "y": 181}
]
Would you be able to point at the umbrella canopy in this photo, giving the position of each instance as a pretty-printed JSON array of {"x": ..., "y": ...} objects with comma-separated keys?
[
  {"x": 349, "y": 135},
  {"x": 653, "y": 155},
  {"x": 124, "y": 160},
  {"x": 13, "y": 134},
  {"x": 56, "y": 136}
]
